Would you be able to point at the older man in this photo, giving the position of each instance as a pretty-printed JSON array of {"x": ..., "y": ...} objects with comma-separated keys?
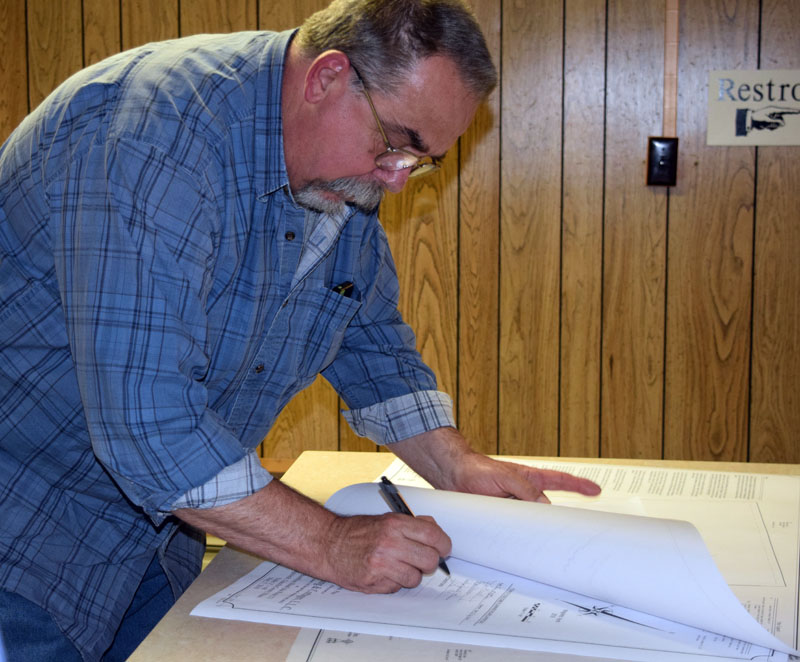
[{"x": 189, "y": 235}]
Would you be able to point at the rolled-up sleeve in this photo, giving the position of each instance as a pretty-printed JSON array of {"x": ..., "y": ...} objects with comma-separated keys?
[
  {"x": 235, "y": 482},
  {"x": 402, "y": 417}
]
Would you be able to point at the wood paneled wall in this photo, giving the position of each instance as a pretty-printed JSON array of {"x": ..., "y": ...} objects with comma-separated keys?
[{"x": 567, "y": 307}]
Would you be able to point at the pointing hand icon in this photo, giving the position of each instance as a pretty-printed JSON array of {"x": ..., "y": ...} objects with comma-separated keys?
[{"x": 771, "y": 117}]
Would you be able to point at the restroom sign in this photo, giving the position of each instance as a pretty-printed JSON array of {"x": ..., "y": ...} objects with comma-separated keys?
[{"x": 754, "y": 107}]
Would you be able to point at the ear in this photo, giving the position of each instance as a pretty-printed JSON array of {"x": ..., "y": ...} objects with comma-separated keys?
[{"x": 328, "y": 74}]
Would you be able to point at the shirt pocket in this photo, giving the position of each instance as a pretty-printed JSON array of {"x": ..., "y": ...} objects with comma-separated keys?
[{"x": 320, "y": 321}]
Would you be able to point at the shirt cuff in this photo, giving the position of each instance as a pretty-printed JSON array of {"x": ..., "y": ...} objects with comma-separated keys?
[
  {"x": 402, "y": 417},
  {"x": 234, "y": 482}
]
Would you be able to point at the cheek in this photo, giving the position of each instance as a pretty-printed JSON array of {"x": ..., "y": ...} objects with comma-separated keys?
[
  {"x": 345, "y": 159},
  {"x": 347, "y": 147}
]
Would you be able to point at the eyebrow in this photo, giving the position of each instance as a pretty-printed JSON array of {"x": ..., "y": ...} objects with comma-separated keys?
[{"x": 414, "y": 139}]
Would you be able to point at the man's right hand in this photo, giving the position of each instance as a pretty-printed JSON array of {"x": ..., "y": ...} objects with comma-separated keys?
[
  {"x": 371, "y": 554},
  {"x": 382, "y": 554}
]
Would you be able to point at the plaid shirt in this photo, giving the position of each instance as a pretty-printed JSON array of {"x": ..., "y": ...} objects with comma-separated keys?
[{"x": 162, "y": 298}]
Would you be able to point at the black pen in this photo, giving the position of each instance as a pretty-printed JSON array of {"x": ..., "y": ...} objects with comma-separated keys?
[{"x": 398, "y": 505}]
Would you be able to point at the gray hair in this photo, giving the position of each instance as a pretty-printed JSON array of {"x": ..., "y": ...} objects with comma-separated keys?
[{"x": 384, "y": 39}]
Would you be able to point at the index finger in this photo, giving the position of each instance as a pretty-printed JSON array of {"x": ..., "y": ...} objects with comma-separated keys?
[
  {"x": 558, "y": 480},
  {"x": 427, "y": 532}
]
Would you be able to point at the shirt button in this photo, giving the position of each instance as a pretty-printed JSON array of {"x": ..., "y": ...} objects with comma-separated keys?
[
  {"x": 259, "y": 368},
  {"x": 289, "y": 235}
]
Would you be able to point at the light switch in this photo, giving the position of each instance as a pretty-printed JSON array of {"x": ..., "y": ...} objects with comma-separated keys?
[{"x": 662, "y": 161}]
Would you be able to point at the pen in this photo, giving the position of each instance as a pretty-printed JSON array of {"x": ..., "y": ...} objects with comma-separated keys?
[
  {"x": 345, "y": 289},
  {"x": 398, "y": 505}
]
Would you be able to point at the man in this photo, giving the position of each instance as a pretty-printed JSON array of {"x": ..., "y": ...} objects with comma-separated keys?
[{"x": 189, "y": 235}]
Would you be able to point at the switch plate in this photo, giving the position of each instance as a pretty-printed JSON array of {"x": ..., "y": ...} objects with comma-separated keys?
[{"x": 662, "y": 161}]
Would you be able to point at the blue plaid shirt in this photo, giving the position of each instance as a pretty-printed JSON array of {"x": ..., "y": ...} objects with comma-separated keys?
[{"x": 162, "y": 298}]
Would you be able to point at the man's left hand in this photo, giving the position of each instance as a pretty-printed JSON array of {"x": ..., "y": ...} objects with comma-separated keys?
[{"x": 443, "y": 458}]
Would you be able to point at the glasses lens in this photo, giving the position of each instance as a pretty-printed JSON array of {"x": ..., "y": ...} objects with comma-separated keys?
[
  {"x": 424, "y": 168},
  {"x": 396, "y": 159}
]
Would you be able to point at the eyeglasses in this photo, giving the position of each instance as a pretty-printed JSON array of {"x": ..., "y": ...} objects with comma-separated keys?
[{"x": 394, "y": 159}]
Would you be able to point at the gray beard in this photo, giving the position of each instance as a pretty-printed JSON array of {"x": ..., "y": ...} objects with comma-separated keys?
[{"x": 366, "y": 195}]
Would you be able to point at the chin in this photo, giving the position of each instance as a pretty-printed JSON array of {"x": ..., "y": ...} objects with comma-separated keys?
[{"x": 333, "y": 197}]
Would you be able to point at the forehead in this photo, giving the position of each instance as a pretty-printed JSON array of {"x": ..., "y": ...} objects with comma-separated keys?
[{"x": 433, "y": 105}]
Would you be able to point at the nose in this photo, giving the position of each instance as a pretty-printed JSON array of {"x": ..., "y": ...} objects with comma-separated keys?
[{"x": 393, "y": 180}]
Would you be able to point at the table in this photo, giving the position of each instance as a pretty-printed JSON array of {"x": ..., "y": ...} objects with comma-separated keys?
[{"x": 318, "y": 474}]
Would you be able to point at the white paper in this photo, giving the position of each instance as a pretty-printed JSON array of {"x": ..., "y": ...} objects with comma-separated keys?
[
  {"x": 343, "y": 646},
  {"x": 655, "y": 566},
  {"x": 474, "y": 606}
]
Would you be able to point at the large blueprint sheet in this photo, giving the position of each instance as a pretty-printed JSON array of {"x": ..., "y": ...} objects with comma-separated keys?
[{"x": 749, "y": 524}]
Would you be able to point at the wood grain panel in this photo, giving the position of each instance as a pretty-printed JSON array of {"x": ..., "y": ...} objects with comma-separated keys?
[
  {"x": 280, "y": 15},
  {"x": 13, "y": 69},
  {"x": 775, "y": 410},
  {"x": 530, "y": 227},
  {"x": 101, "y": 30},
  {"x": 710, "y": 250},
  {"x": 479, "y": 247},
  {"x": 308, "y": 423},
  {"x": 144, "y": 21},
  {"x": 211, "y": 16},
  {"x": 311, "y": 420},
  {"x": 635, "y": 236},
  {"x": 582, "y": 232},
  {"x": 54, "y": 45}
]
